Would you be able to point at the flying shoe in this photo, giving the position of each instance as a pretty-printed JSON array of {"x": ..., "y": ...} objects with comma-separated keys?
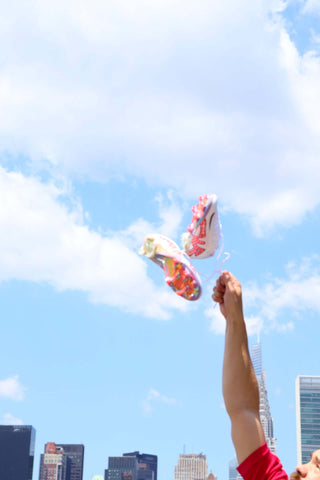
[
  {"x": 179, "y": 273},
  {"x": 204, "y": 232}
]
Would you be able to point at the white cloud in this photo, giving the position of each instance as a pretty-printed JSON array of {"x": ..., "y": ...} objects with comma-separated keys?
[
  {"x": 9, "y": 419},
  {"x": 278, "y": 303},
  {"x": 312, "y": 6},
  {"x": 46, "y": 241},
  {"x": 156, "y": 397},
  {"x": 164, "y": 90},
  {"x": 12, "y": 388}
]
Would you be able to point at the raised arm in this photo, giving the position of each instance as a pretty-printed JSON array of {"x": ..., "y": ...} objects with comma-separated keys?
[{"x": 240, "y": 386}]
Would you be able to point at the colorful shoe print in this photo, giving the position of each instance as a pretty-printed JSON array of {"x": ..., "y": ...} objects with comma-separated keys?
[
  {"x": 203, "y": 234},
  {"x": 179, "y": 273}
]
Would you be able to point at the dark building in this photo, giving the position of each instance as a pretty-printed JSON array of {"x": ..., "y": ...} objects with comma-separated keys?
[
  {"x": 74, "y": 456},
  {"x": 122, "y": 468},
  {"x": 147, "y": 465},
  {"x": 16, "y": 452}
]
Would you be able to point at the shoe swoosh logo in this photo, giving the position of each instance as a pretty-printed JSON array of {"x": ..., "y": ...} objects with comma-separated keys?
[{"x": 211, "y": 218}]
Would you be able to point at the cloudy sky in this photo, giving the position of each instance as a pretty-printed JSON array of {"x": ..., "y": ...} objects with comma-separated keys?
[{"x": 115, "y": 116}]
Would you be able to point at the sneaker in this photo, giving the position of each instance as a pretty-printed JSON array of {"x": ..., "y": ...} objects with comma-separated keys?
[
  {"x": 179, "y": 273},
  {"x": 203, "y": 234}
]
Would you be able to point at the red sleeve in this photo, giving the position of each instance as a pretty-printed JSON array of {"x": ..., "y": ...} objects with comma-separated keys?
[{"x": 262, "y": 465}]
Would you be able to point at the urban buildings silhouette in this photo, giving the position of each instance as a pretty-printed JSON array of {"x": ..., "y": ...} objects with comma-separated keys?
[{"x": 307, "y": 416}]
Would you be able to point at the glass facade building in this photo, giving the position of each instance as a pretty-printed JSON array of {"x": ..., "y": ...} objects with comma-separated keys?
[
  {"x": 308, "y": 416},
  {"x": 74, "y": 454},
  {"x": 16, "y": 452},
  {"x": 233, "y": 472}
]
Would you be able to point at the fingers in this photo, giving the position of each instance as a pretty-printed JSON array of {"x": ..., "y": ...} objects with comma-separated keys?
[
  {"x": 219, "y": 290},
  {"x": 225, "y": 282}
]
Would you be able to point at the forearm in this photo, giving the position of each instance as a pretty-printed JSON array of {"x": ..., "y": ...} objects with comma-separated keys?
[{"x": 240, "y": 387}]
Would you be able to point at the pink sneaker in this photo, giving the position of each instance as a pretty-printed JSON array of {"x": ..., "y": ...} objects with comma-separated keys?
[
  {"x": 203, "y": 234},
  {"x": 179, "y": 273}
]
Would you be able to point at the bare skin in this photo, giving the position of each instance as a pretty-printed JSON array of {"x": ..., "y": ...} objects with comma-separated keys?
[
  {"x": 310, "y": 470},
  {"x": 240, "y": 386}
]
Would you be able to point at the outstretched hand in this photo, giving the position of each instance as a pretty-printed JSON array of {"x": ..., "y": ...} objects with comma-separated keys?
[{"x": 227, "y": 293}]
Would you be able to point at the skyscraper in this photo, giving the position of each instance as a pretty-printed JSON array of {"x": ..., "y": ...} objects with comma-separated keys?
[
  {"x": 16, "y": 452},
  {"x": 264, "y": 408},
  {"x": 147, "y": 465},
  {"x": 52, "y": 463},
  {"x": 122, "y": 468},
  {"x": 308, "y": 416},
  {"x": 233, "y": 472},
  {"x": 61, "y": 462},
  {"x": 74, "y": 454},
  {"x": 191, "y": 467}
]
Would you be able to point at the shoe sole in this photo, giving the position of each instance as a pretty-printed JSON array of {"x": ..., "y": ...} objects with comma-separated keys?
[{"x": 179, "y": 273}]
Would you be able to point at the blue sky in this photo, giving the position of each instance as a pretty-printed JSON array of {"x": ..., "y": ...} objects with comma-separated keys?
[{"x": 115, "y": 117}]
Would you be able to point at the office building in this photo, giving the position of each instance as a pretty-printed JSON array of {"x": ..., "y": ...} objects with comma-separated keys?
[
  {"x": 233, "y": 472},
  {"x": 17, "y": 444},
  {"x": 191, "y": 467},
  {"x": 307, "y": 416},
  {"x": 52, "y": 463},
  {"x": 74, "y": 454},
  {"x": 264, "y": 407},
  {"x": 61, "y": 461},
  {"x": 147, "y": 465},
  {"x": 122, "y": 468}
]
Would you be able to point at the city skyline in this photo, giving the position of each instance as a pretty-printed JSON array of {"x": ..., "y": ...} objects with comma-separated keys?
[{"x": 190, "y": 466}]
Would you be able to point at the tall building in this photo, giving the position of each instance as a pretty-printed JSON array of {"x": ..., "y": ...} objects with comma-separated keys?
[
  {"x": 61, "y": 462},
  {"x": 233, "y": 472},
  {"x": 52, "y": 463},
  {"x": 74, "y": 455},
  {"x": 16, "y": 452},
  {"x": 122, "y": 468},
  {"x": 308, "y": 416},
  {"x": 265, "y": 414},
  {"x": 147, "y": 465},
  {"x": 191, "y": 467}
]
